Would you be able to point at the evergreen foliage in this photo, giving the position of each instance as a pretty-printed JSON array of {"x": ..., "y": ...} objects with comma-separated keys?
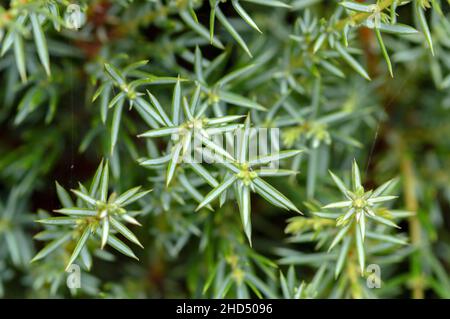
[{"x": 109, "y": 97}]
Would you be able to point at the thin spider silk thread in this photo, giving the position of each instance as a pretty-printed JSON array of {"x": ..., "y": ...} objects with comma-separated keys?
[{"x": 389, "y": 103}]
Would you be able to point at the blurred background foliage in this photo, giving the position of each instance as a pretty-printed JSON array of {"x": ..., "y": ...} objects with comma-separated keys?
[{"x": 318, "y": 70}]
